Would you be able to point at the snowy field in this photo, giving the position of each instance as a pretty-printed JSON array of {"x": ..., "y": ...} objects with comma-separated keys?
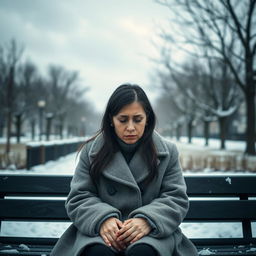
[{"x": 66, "y": 165}]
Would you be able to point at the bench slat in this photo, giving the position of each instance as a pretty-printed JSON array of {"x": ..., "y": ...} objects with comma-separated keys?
[
  {"x": 197, "y": 185},
  {"x": 28, "y": 240},
  {"x": 222, "y": 241},
  {"x": 221, "y": 185},
  {"x": 32, "y": 209},
  {"x": 222, "y": 210},
  {"x": 41, "y": 184},
  {"x": 199, "y": 210}
]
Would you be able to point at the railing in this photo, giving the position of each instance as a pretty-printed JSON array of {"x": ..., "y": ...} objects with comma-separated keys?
[{"x": 42, "y": 153}]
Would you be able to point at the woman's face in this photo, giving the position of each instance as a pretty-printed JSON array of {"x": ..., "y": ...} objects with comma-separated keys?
[{"x": 130, "y": 123}]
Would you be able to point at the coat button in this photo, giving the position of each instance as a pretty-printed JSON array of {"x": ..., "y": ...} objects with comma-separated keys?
[{"x": 111, "y": 190}]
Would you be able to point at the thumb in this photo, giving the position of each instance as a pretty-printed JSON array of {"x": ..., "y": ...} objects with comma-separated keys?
[{"x": 119, "y": 223}]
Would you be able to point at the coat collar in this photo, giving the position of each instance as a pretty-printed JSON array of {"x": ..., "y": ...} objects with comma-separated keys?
[
  {"x": 158, "y": 140},
  {"x": 137, "y": 170}
]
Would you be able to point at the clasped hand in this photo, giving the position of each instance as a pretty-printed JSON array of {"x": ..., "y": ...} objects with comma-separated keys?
[{"x": 120, "y": 234}]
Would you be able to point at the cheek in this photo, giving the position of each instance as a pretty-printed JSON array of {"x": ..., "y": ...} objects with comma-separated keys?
[
  {"x": 142, "y": 129},
  {"x": 118, "y": 129}
]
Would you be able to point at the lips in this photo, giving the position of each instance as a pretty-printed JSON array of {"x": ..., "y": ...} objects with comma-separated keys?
[{"x": 130, "y": 136}]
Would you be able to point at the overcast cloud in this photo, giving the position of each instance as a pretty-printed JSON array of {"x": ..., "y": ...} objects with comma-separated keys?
[{"x": 107, "y": 41}]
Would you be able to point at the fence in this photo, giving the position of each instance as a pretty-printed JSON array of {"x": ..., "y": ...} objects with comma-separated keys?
[
  {"x": 40, "y": 154},
  {"x": 216, "y": 161}
]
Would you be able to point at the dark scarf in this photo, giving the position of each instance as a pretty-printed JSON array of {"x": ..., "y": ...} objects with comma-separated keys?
[{"x": 128, "y": 150}]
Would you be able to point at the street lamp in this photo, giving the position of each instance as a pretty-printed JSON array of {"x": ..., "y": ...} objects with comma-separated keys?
[
  {"x": 41, "y": 106},
  {"x": 49, "y": 117}
]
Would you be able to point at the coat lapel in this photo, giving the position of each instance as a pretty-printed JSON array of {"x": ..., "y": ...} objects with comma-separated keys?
[
  {"x": 117, "y": 169},
  {"x": 137, "y": 170},
  {"x": 138, "y": 165}
]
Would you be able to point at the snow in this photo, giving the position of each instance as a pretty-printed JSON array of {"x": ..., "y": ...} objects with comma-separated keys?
[
  {"x": 198, "y": 143},
  {"x": 14, "y": 251},
  {"x": 66, "y": 166},
  {"x": 228, "y": 180},
  {"x": 63, "y": 166},
  {"x": 206, "y": 252},
  {"x": 55, "y": 142},
  {"x": 24, "y": 247},
  {"x": 251, "y": 250},
  {"x": 36, "y": 142}
]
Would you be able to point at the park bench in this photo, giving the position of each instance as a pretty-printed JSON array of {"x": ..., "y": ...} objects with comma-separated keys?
[{"x": 208, "y": 203}]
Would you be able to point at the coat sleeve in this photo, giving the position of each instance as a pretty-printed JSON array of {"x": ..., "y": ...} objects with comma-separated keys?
[
  {"x": 84, "y": 208},
  {"x": 166, "y": 212}
]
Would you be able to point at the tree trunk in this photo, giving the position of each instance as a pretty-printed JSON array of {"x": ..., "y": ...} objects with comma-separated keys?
[
  {"x": 1, "y": 126},
  {"x": 18, "y": 127},
  {"x": 48, "y": 128},
  {"x": 9, "y": 109},
  {"x": 189, "y": 130},
  {"x": 33, "y": 123},
  {"x": 250, "y": 101},
  {"x": 222, "y": 132},
  {"x": 250, "y": 130},
  {"x": 206, "y": 132},
  {"x": 61, "y": 131},
  {"x": 178, "y": 132}
]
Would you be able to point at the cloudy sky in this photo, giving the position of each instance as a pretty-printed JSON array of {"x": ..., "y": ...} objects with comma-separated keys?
[{"x": 107, "y": 41}]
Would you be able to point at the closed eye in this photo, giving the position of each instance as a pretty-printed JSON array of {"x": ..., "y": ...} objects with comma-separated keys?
[
  {"x": 122, "y": 120},
  {"x": 137, "y": 120}
]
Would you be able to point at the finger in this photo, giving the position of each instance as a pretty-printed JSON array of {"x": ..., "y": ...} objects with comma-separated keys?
[
  {"x": 117, "y": 246},
  {"x": 105, "y": 239},
  {"x": 119, "y": 223},
  {"x": 113, "y": 241},
  {"x": 132, "y": 236},
  {"x": 123, "y": 229},
  {"x": 136, "y": 238},
  {"x": 127, "y": 221},
  {"x": 126, "y": 234}
]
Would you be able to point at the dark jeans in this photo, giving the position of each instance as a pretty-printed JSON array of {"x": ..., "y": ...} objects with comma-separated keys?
[{"x": 103, "y": 250}]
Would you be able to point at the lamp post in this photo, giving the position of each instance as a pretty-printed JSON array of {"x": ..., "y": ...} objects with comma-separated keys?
[
  {"x": 41, "y": 106},
  {"x": 18, "y": 126},
  {"x": 49, "y": 117}
]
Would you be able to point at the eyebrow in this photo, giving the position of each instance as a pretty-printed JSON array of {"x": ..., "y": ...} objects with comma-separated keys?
[{"x": 138, "y": 115}]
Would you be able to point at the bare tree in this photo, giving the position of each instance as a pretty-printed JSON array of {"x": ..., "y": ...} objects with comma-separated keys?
[
  {"x": 182, "y": 111},
  {"x": 169, "y": 118},
  {"x": 208, "y": 92},
  {"x": 30, "y": 90},
  {"x": 10, "y": 56},
  {"x": 212, "y": 25},
  {"x": 62, "y": 85}
]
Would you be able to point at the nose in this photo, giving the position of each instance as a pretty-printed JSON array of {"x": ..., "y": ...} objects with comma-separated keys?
[{"x": 130, "y": 126}]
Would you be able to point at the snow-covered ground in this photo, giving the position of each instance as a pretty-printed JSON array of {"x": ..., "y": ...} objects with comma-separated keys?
[{"x": 66, "y": 165}]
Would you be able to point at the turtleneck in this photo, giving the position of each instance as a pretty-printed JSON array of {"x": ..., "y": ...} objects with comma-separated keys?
[{"x": 128, "y": 150}]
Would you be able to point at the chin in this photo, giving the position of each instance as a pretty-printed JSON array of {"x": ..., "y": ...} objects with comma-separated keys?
[{"x": 130, "y": 141}]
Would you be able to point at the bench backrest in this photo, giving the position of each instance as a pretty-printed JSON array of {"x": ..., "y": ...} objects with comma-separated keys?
[{"x": 212, "y": 200}]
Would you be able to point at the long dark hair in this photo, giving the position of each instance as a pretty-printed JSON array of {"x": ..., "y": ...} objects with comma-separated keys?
[{"x": 124, "y": 95}]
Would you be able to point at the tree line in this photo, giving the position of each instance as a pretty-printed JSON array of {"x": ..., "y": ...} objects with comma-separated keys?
[
  {"x": 218, "y": 73},
  {"x": 23, "y": 88}
]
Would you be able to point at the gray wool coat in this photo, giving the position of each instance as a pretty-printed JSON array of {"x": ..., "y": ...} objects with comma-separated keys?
[{"x": 163, "y": 202}]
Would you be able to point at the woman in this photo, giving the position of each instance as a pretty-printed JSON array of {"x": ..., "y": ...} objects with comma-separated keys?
[{"x": 128, "y": 194}]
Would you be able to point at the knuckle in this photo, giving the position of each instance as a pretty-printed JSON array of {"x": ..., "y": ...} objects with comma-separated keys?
[{"x": 136, "y": 226}]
